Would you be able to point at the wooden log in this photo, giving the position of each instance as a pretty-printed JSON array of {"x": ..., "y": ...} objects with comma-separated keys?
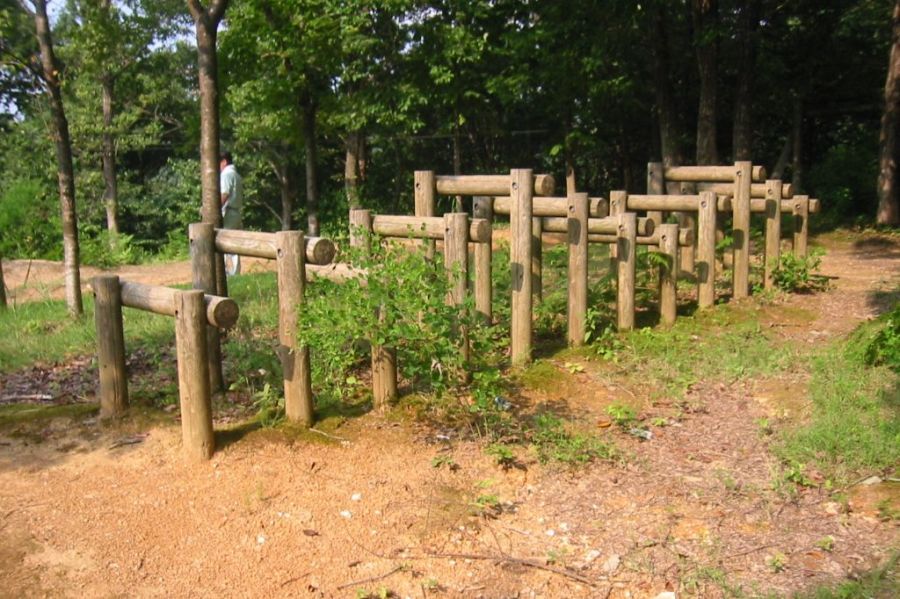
[
  {"x": 705, "y": 265},
  {"x": 618, "y": 202},
  {"x": 384, "y": 376},
  {"x": 668, "y": 247},
  {"x": 521, "y": 192},
  {"x": 482, "y": 209},
  {"x": 554, "y": 206},
  {"x": 598, "y": 226},
  {"x": 259, "y": 244},
  {"x": 456, "y": 261},
  {"x": 202, "y": 239},
  {"x": 712, "y": 174},
  {"x": 673, "y": 203},
  {"x": 489, "y": 185},
  {"x": 814, "y": 206},
  {"x": 578, "y": 210},
  {"x": 478, "y": 230},
  {"x": 656, "y": 185},
  {"x": 537, "y": 259},
  {"x": 741, "y": 230},
  {"x": 360, "y": 227},
  {"x": 2, "y": 287},
  {"x": 774, "y": 189},
  {"x": 193, "y": 379},
  {"x": 686, "y": 237},
  {"x": 298, "y": 398},
  {"x": 757, "y": 190},
  {"x": 626, "y": 255},
  {"x": 800, "y": 210},
  {"x": 113, "y": 390},
  {"x": 221, "y": 312},
  {"x": 425, "y": 195}
]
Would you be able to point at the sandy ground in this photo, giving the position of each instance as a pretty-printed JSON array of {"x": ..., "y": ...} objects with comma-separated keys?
[{"x": 88, "y": 510}]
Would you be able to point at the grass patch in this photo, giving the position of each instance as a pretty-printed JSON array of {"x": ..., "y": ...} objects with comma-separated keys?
[
  {"x": 881, "y": 583},
  {"x": 17, "y": 414}
]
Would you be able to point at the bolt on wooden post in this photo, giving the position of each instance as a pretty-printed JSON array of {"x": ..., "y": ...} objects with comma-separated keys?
[
  {"x": 193, "y": 375},
  {"x": 202, "y": 238},
  {"x": 456, "y": 260},
  {"x": 668, "y": 247},
  {"x": 113, "y": 389},
  {"x": 773, "y": 231},
  {"x": 705, "y": 264},
  {"x": 801, "y": 226},
  {"x": 290, "y": 259},
  {"x": 482, "y": 207},
  {"x": 521, "y": 194},
  {"x": 425, "y": 192},
  {"x": 741, "y": 229},
  {"x": 618, "y": 201},
  {"x": 626, "y": 254},
  {"x": 577, "y": 224}
]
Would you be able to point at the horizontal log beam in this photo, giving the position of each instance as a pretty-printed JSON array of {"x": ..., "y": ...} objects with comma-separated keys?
[
  {"x": 758, "y": 206},
  {"x": 221, "y": 312},
  {"x": 685, "y": 238},
  {"x": 260, "y": 244},
  {"x": 606, "y": 225},
  {"x": 426, "y": 227},
  {"x": 757, "y": 190},
  {"x": 487, "y": 185},
  {"x": 710, "y": 174},
  {"x": 674, "y": 203},
  {"x": 554, "y": 206}
]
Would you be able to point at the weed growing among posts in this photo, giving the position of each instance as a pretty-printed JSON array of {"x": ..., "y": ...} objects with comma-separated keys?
[{"x": 795, "y": 273}]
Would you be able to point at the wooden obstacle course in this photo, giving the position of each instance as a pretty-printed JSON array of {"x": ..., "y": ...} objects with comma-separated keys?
[{"x": 193, "y": 311}]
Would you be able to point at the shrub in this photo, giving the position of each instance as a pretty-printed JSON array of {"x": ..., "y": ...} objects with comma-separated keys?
[{"x": 797, "y": 273}]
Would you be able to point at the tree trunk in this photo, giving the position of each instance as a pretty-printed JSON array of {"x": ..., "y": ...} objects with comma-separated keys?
[
  {"x": 705, "y": 20},
  {"x": 65, "y": 170},
  {"x": 282, "y": 172},
  {"x": 747, "y": 39},
  {"x": 783, "y": 157},
  {"x": 457, "y": 154},
  {"x": 111, "y": 192},
  {"x": 312, "y": 183},
  {"x": 797, "y": 134},
  {"x": 666, "y": 111},
  {"x": 351, "y": 168},
  {"x": 888, "y": 185}
]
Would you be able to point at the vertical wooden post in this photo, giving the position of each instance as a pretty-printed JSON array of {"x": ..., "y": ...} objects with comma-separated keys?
[
  {"x": 483, "y": 207},
  {"x": 360, "y": 226},
  {"x": 618, "y": 202},
  {"x": 773, "y": 230},
  {"x": 626, "y": 237},
  {"x": 537, "y": 259},
  {"x": 800, "y": 207},
  {"x": 706, "y": 250},
  {"x": 668, "y": 273},
  {"x": 202, "y": 238},
  {"x": 290, "y": 255},
  {"x": 193, "y": 375},
  {"x": 425, "y": 200},
  {"x": 520, "y": 191},
  {"x": 384, "y": 360},
  {"x": 577, "y": 205},
  {"x": 456, "y": 261},
  {"x": 110, "y": 346},
  {"x": 2, "y": 287},
  {"x": 656, "y": 185},
  {"x": 687, "y": 220},
  {"x": 741, "y": 229}
]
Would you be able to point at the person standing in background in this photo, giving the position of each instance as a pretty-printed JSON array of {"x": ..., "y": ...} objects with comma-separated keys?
[{"x": 232, "y": 199}]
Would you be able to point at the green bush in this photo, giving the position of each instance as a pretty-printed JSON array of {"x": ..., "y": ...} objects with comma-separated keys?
[
  {"x": 884, "y": 348},
  {"x": 29, "y": 220},
  {"x": 798, "y": 273}
]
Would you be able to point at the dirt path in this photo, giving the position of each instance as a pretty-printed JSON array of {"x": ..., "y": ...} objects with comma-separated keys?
[{"x": 391, "y": 507}]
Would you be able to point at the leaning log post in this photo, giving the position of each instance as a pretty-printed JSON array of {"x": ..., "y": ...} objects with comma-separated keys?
[
  {"x": 773, "y": 230},
  {"x": 521, "y": 194},
  {"x": 456, "y": 261},
  {"x": 578, "y": 267},
  {"x": 656, "y": 185},
  {"x": 618, "y": 200},
  {"x": 290, "y": 259},
  {"x": 482, "y": 207},
  {"x": 110, "y": 346},
  {"x": 537, "y": 258},
  {"x": 425, "y": 192},
  {"x": 801, "y": 226},
  {"x": 741, "y": 229},
  {"x": 626, "y": 250},
  {"x": 202, "y": 238},
  {"x": 705, "y": 264},
  {"x": 193, "y": 375},
  {"x": 668, "y": 247}
]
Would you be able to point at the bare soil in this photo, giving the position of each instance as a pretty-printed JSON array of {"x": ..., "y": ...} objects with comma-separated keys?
[{"x": 94, "y": 510}]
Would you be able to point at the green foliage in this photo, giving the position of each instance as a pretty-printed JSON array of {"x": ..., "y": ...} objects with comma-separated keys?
[
  {"x": 29, "y": 219},
  {"x": 99, "y": 248},
  {"x": 884, "y": 347},
  {"x": 798, "y": 273},
  {"x": 621, "y": 415},
  {"x": 882, "y": 582},
  {"x": 554, "y": 443}
]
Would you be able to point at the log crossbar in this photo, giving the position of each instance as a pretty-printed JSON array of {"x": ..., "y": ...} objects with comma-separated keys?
[
  {"x": 685, "y": 238},
  {"x": 426, "y": 227},
  {"x": 258, "y": 244},
  {"x": 757, "y": 190},
  {"x": 488, "y": 185},
  {"x": 607, "y": 225},
  {"x": 679, "y": 203},
  {"x": 221, "y": 312},
  {"x": 710, "y": 174},
  {"x": 554, "y": 206}
]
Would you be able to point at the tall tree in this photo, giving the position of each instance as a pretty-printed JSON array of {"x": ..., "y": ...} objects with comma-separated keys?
[
  {"x": 747, "y": 38},
  {"x": 888, "y": 184},
  {"x": 666, "y": 106},
  {"x": 706, "y": 45},
  {"x": 50, "y": 77},
  {"x": 206, "y": 23}
]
